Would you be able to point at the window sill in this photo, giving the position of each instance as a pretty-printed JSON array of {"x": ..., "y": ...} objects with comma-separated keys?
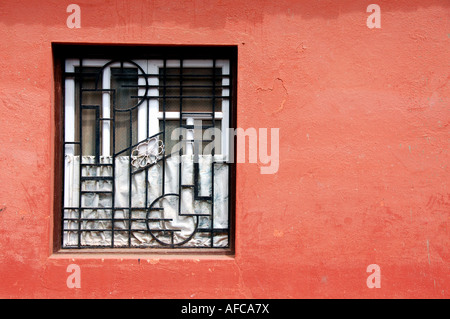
[{"x": 145, "y": 254}]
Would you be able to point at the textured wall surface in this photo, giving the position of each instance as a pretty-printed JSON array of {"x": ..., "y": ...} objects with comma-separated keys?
[{"x": 364, "y": 176}]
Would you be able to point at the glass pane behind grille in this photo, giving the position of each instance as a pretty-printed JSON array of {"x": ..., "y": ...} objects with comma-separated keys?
[
  {"x": 194, "y": 89},
  {"x": 85, "y": 86},
  {"x": 124, "y": 81}
]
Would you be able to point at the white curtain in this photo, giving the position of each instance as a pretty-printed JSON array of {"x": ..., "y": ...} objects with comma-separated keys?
[{"x": 182, "y": 227}]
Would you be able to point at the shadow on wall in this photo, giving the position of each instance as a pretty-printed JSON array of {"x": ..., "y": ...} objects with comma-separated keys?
[{"x": 211, "y": 14}]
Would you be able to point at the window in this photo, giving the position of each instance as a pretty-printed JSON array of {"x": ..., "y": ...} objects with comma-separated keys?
[{"x": 146, "y": 149}]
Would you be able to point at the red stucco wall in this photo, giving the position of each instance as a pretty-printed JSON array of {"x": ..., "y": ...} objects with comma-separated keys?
[{"x": 364, "y": 120}]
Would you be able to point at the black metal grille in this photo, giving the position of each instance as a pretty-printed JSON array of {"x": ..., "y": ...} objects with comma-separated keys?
[{"x": 148, "y": 216}]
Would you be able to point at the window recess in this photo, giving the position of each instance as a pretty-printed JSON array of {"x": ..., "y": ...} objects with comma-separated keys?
[{"x": 146, "y": 153}]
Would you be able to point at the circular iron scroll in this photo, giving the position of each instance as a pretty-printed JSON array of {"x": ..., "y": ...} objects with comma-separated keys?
[{"x": 160, "y": 221}]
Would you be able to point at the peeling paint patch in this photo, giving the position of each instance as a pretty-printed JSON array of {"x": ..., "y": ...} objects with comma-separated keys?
[
  {"x": 153, "y": 261},
  {"x": 270, "y": 98},
  {"x": 278, "y": 233},
  {"x": 22, "y": 212}
]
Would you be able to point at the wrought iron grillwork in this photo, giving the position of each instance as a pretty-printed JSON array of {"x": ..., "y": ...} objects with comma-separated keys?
[{"x": 146, "y": 154}]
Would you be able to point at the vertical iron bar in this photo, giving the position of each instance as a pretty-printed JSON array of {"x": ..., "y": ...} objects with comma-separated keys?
[
  {"x": 214, "y": 105},
  {"x": 97, "y": 135},
  {"x": 130, "y": 141},
  {"x": 80, "y": 102},
  {"x": 113, "y": 158},
  {"x": 146, "y": 204},
  {"x": 180, "y": 137},
  {"x": 63, "y": 119},
  {"x": 164, "y": 127},
  {"x": 213, "y": 151},
  {"x": 231, "y": 167}
]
